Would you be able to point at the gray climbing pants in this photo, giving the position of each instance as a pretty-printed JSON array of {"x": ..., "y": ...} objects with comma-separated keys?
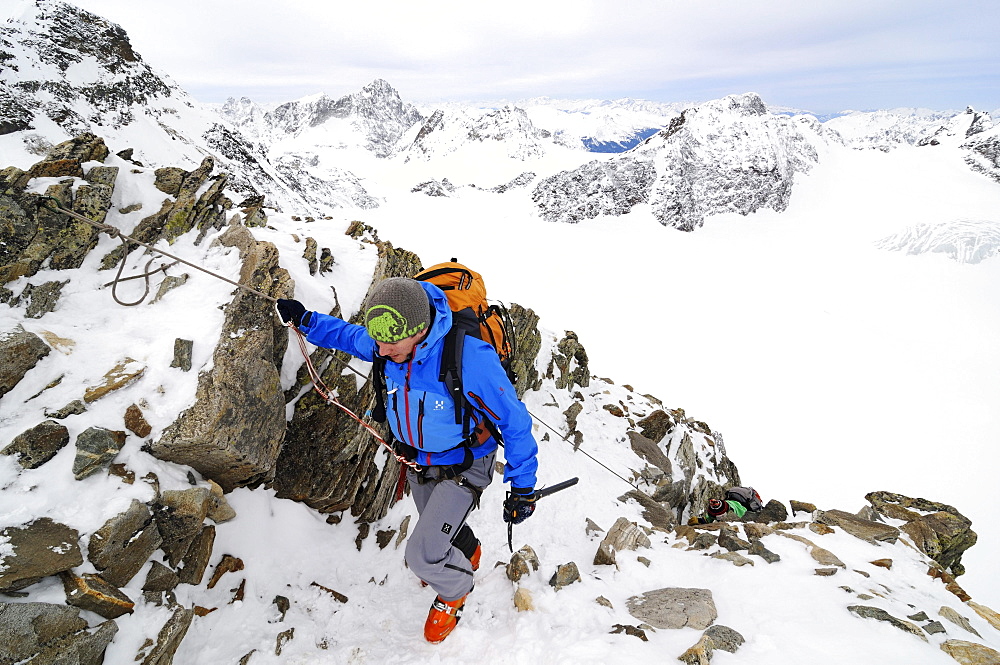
[{"x": 443, "y": 506}]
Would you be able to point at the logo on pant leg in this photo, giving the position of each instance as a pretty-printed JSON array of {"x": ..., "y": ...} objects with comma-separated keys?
[{"x": 445, "y": 528}]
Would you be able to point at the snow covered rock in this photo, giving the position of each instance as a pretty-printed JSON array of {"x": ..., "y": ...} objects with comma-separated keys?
[
  {"x": 729, "y": 155},
  {"x": 964, "y": 240},
  {"x": 936, "y": 528},
  {"x": 674, "y": 607}
]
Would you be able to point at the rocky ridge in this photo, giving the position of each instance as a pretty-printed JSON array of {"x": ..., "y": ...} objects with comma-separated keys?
[{"x": 133, "y": 563}]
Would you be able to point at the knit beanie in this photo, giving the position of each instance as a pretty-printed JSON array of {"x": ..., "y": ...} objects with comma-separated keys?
[
  {"x": 398, "y": 308},
  {"x": 716, "y": 508}
]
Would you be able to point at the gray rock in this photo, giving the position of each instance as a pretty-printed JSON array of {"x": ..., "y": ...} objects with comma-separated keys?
[
  {"x": 773, "y": 511},
  {"x": 757, "y": 548},
  {"x": 41, "y": 299},
  {"x": 235, "y": 429},
  {"x": 182, "y": 354},
  {"x": 180, "y": 517},
  {"x": 74, "y": 408},
  {"x": 934, "y": 627},
  {"x": 957, "y": 619},
  {"x": 121, "y": 547},
  {"x": 729, "y": 538},
  {"x": 39, "y": 444},
  {"x": 869, "y": 612},
  {"x": 674, "y": 607},
  {"x": 718, "y": 637},
  {"x": 20, "y": 351},
  {"x": 35, "y": 550},
  {"x": 168, "y": 639},
  {"x": 649, "y": 450},
  {"x": 96, "y": 448},
  {"x": 735, "y": 558},
  {"x": 169, "y": 283},
  {"x": 565, "y": 575},
  {"x": 866, "y": 530},
  {"x": 196, "y": 559},
  {"x": 160, "y": 578},
  {"x": 45, "y": 634}
]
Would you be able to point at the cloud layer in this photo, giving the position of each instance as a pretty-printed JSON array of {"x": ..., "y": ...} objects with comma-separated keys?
[{"x": 821, "y": 57}]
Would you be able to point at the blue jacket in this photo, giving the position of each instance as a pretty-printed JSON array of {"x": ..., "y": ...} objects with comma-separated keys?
[{"x": 420, "y": 411}]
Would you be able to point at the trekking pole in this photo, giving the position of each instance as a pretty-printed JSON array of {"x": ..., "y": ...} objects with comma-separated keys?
[{"x": 535, "y": 496}]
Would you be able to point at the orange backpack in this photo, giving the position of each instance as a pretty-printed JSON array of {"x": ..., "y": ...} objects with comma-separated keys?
[{"x": 471, "y": 312}]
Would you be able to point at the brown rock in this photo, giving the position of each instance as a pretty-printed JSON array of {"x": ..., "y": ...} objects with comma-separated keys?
[
  {"x": 136, "y": 423},
  {"x": 35, "y": 550},
  {"x": 970, "y": 653},
  {"x": 92, "y": 592},
  {"x": 119, "y": 376}
]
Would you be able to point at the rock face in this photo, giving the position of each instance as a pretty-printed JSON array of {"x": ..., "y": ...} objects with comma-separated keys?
[
  {"x": 728, "y": 155},
  {"x": 235, "y": 429},
  {"x": 35, "y": 235},
  {"x": 63, "y": 36},
  {"x": 939, "y": 530},
  {"x": 507, "y": 128}
]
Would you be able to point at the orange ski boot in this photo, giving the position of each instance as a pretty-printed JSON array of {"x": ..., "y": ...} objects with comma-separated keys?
[
  {"x": 443, "y": 618},
  {"x": 476, "y": 556}
]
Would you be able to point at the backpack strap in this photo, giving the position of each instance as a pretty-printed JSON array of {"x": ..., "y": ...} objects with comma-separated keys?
[
  {"x": 451, "y": 375},
  {"x": 378, "y": 379}
]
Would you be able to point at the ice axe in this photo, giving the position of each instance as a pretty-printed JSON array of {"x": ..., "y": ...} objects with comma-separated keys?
[{"x": 535, "y": 496}]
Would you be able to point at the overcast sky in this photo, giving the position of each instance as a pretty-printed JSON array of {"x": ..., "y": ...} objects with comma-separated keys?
[{"x": 822, "y": 57}]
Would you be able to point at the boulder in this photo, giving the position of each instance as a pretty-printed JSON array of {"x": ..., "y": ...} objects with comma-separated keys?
[
  {"x": 121, "y": 547},
  {"x": 180, "y": 517},
  {"x": 46, "y": 633},
  {"x": 866, "y": 530},
  {"x": 716, "y": 637},
  {"x": 235, "y": 429},
  {"x": 96, "y": 448},
  {"x": 566, "y": 574},
  {"x": 937, "y": 529},
  {"x": 39, "y": 444},
  {"x": 35, "y": 550},
  {"x": 957, "y": 619},
  {"x": 674, "y": 607},
  {"x": 20, "y": 351},
  {"x": 970, "y": 653},
  {"x": 94, "y": 593}
]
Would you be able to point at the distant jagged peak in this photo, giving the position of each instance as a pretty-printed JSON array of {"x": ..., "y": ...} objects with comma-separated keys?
[{"x": 959, "y": 127}]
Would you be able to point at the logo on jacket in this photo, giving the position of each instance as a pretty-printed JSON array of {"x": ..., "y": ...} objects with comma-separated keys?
[{"x": 439, "y": 405}]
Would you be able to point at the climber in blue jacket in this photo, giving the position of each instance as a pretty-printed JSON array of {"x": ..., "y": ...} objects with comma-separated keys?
[{"x": 405, "y": 323}]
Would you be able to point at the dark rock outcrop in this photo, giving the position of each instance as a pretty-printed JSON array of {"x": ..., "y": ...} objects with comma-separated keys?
[
  {"x": 235, "y": 429},
  {"x": 939, "y": 530}
]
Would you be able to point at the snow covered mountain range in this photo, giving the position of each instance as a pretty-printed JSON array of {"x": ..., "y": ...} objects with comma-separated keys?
[{"x": 122, "y": 544}]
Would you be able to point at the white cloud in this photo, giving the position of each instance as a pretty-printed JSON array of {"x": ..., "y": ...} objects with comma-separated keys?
[{"x": 675, "y": 50}]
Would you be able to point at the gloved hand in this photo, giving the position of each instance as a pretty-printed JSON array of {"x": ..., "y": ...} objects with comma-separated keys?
[
  {"x": 696, "y": 520},
  {"x": 519, "y": 505},
  {"x": 290, "y": 311}
]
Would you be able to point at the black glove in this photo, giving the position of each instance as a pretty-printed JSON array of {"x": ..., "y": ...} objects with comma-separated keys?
[
  {"x": 290, "y": 311},
  {"x": 519, "y": 505}
]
